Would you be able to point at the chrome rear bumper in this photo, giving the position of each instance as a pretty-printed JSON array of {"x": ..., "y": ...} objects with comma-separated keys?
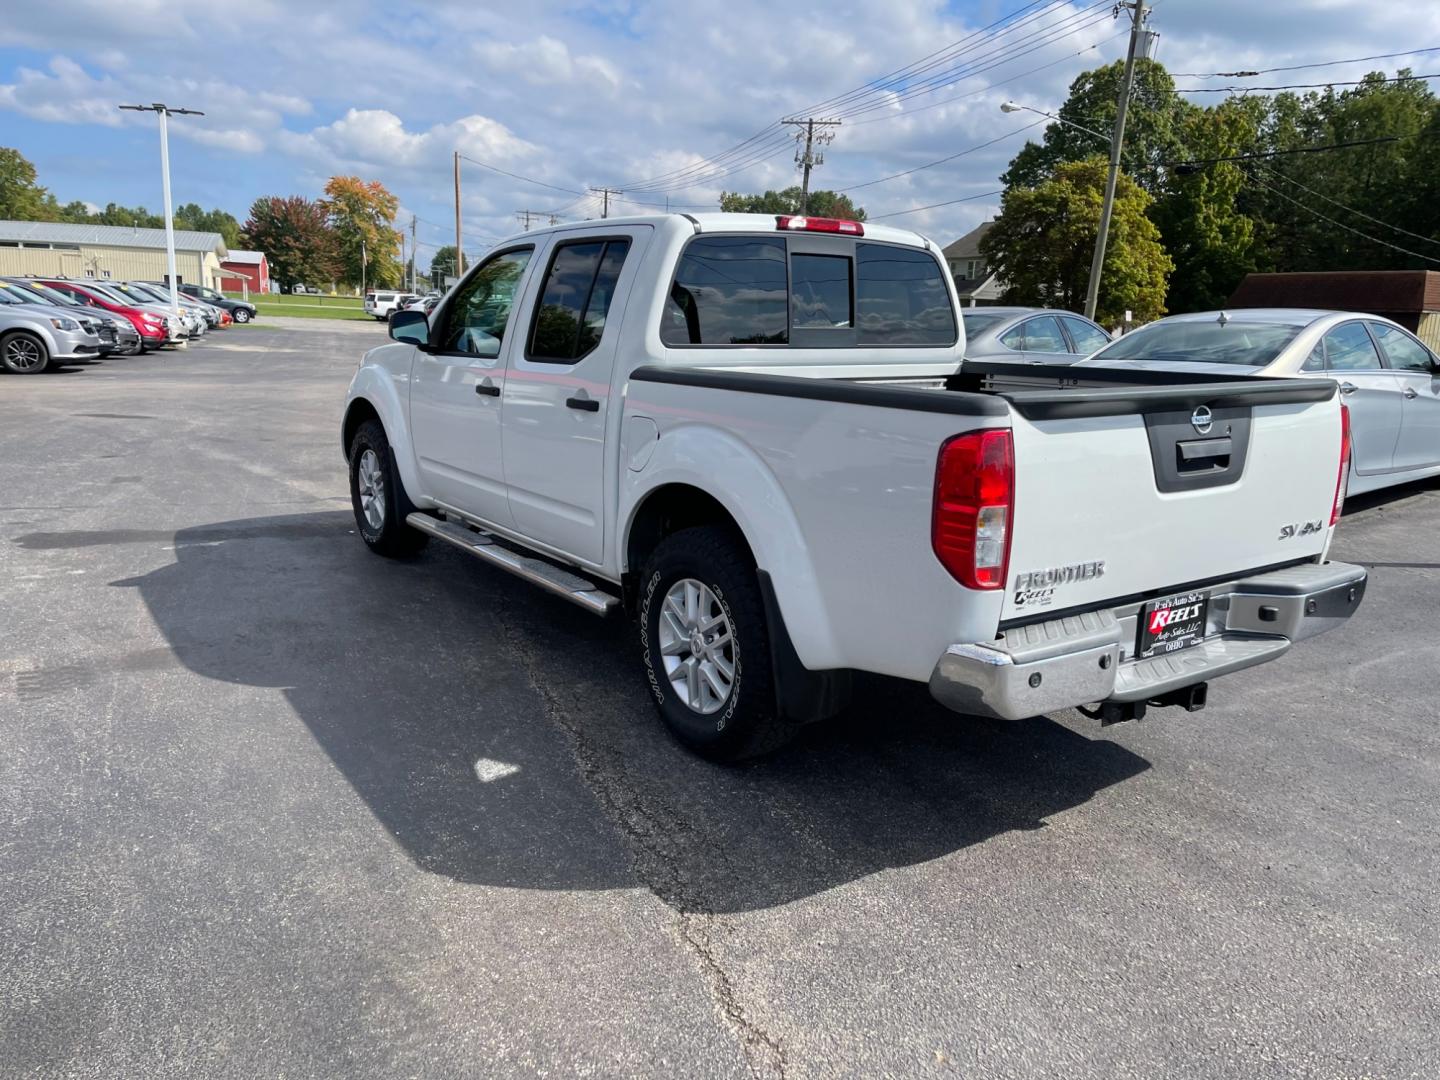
[{"x": 1079, "y": 659}]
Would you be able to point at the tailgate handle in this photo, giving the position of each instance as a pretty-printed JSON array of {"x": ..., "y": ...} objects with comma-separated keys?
[{"x": 1203, "y": 455}]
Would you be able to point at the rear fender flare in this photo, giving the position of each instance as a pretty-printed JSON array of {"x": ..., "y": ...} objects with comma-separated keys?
[{"x": 730, "y": 472}]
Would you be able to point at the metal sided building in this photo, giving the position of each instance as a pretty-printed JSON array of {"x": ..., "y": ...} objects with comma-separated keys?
[{"x": 107, "y": 252}]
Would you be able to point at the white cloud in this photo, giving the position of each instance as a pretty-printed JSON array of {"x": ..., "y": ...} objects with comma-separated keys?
[
  {"x": 547, "y": 61},
  {"x": 379, "y": 138}
]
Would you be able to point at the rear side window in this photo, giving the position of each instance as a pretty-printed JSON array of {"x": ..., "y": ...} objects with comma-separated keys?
[
  {"x": 901, "y": 298},
  {"x": 1348, "y": 348},
  {"x": 576, "y": 299},
  {"x": 1043, "y": 335},
  {"x": 728, "y": 290},
  {"x": 1086, "y": 337}
]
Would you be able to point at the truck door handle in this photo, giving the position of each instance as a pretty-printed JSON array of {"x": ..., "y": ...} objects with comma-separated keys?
[
  {"x": 488, "y": 388},
  {"x": 1348, "y": 388},
  {"x": 1410, "y": 392},
  {"x": 584, "y": 404}
]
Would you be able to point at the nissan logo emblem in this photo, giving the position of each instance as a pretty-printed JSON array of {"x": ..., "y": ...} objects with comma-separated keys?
[{"x": 1202, "y": 420}]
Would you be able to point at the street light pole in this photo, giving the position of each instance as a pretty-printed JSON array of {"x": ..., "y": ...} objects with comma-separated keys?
[
  {"x": 164, "y": 112},
  {"x": 1014, "y": 106}
]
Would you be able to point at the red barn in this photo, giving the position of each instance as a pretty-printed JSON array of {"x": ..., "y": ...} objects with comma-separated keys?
[{"x": 250, "y": 265}]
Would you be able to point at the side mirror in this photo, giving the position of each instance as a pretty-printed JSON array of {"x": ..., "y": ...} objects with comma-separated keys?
[{"x": 410, "y": 327}]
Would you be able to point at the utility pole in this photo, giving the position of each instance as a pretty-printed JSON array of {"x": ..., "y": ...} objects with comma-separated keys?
[
  {"x": 165, "y": 112},
  {"x": 1138, "y": 11},
  {"x": 524, "y": 216},
  {"x": 459, "y": 256},
  {"x": 807, "y": 158},
  {"x": 362, "y": 266},
  {"x": 605, "y": 193},
  {"x": 414, "y": 255}
]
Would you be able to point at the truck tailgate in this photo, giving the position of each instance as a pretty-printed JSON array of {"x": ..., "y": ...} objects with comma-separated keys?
[{"x": 1124, "y": 495}]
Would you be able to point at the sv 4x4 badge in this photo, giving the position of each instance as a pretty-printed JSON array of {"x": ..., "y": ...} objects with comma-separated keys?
[{"x": 1306, "y": 528}]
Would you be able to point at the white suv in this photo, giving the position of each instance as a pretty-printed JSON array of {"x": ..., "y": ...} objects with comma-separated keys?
[{"x": 382, "y": 304}]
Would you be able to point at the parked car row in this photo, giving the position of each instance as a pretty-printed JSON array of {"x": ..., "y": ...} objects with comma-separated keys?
[
  {"x": 1388, "y": 377},
  {"x": 49, "y": 322},
  {"x": 381, "y": 304}
]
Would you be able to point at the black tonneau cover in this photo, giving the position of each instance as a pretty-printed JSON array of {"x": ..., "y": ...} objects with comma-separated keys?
[{"x": 1043, "y": 392}]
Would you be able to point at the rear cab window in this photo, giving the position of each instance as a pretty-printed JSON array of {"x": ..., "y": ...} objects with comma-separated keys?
[{"x": 806, "y": 291}]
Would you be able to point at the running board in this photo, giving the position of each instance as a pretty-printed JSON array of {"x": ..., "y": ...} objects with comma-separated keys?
[{"x": 547, "y": 575}]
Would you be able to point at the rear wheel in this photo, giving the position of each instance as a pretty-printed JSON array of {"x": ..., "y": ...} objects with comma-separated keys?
[
  {"x": 377, "y": 497},
  {"x": 23, "y": 354},
  {"x": 706, "y": 647}
]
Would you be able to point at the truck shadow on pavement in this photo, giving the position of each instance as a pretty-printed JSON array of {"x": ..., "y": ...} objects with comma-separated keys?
[{"x": 503, "y": 737}]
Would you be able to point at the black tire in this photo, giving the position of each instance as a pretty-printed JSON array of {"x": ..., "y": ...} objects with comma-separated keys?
[
  {"x": 388, "y": 535},
  {"x": 23, "y": 353},
  {"x": 240, "y": 315},
  {"x": 746, "y": 723}
]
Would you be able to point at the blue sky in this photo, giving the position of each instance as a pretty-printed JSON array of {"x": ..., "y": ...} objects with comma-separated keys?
[{"x": 607, "y": 92}]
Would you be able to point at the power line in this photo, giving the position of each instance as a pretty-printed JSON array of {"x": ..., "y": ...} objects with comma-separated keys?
[
  {"x": 764, "y": 143},
  {"x": 992, "y": 86},
  {"x": 1340, "y": 224},
  {"x": 942, "y": 161},
  {"x": 517, "y": 176},
  {"x": 1193, "y": 165},
  {"x": 932, "y": 206},
  {"x": 773, "y": 146},
  {"x": 1335, "y": 202},
  {"x": 1296, "y": 67},
  {"x": 1298, "y": 86}
]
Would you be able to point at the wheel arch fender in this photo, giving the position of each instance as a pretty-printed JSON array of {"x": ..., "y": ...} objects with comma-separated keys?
[
  {"x": 373, "y": 393},
  {"x": 722, "y": 468}
]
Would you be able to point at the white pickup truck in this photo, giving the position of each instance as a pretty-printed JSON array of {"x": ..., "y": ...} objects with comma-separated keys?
[{"x": 756, "y": 436}]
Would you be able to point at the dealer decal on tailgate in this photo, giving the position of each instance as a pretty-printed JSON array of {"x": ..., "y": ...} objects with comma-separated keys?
[{"x": 1172, "y": 624}]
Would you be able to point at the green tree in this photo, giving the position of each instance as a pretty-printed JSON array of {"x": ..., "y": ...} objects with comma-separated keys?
[
  {"x": 1289, "y": 193},
  {"x": 443, "y": 262},
  {"x": 1154, "y": 127},
  {"x": 191, "y": 217},
  {"x": 362, "y": 215},
  {"x": 822, "y": 204},
  {"x": 295, "y": 235},
  {"x": 1211, "y": 242},
  {"x": 1042, "y": 242},
  {"x": 21, "y": 197}
]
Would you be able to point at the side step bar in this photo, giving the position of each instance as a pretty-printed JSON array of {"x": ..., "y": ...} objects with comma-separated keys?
[{"x": 547, "y": 575}]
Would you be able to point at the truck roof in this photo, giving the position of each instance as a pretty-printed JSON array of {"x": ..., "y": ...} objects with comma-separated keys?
[{"x": 729, "y": 223}]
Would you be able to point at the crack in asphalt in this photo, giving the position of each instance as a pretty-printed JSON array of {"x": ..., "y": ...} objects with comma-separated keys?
[{"x": 656, "y": 843}]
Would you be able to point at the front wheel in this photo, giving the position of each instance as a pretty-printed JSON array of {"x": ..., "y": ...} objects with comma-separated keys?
[
  {"x": 23, "y": 354},
  {"x": 240, "y": 315},
  {"x": 706, "y": 647},
  {"x": 377, "y": 497}
]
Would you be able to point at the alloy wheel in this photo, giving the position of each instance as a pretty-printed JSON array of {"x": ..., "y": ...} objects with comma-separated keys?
[
  {"x": 370, "y": 479},
  {"x": 697, "y": 646}
]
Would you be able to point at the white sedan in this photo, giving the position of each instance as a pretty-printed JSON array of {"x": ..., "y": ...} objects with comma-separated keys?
[{"x": 1388, "y": 377}]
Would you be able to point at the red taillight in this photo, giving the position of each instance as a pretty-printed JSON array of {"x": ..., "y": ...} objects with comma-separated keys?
[
  {"x": 819, "y": 224},
  {"x": 974, "y": 502},
  {"x": 1342, "y": 479}
]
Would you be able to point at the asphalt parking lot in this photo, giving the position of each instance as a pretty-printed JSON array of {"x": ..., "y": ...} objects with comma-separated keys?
[{"x": 272, "y": 806}]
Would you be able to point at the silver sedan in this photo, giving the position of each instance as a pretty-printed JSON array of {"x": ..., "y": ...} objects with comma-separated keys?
[
  {"x": 1387, "y": 376},
  {"x": 1026, "y": 335}
]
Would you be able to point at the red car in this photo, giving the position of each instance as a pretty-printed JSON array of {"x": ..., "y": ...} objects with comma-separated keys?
[{"x": 151, "y": 325}]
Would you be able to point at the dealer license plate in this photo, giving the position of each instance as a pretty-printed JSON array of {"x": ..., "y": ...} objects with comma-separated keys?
[{"x": 1172, "y": 624}]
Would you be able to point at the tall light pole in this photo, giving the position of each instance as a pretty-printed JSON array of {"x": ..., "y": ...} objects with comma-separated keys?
[{"x": 165, "y": 112}]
